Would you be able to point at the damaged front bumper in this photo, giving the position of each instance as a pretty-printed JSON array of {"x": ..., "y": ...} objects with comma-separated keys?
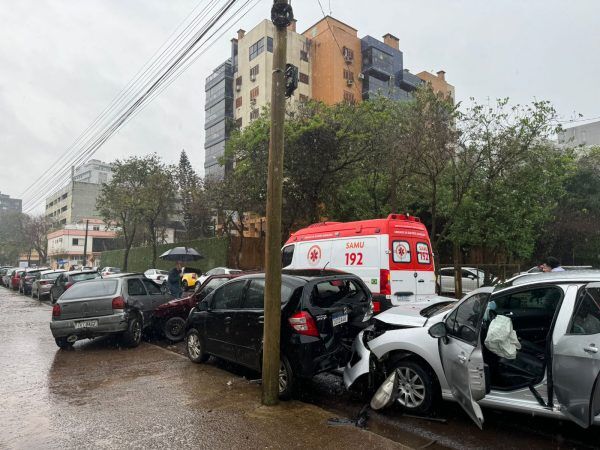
[{"x": 359, "y": 364}]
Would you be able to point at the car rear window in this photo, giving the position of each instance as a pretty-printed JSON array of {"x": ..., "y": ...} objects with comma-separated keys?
[
  {"x": 51, "y": 276},
  {"x": 99, "y": 288},
  {"x": 84, "y": 276},
  {"x": 327, "y": 293}
]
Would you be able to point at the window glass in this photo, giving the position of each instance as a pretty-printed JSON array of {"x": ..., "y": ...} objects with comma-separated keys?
[
  {"x": 401, "y": 251},
  {"x": 586, "y": 319},
  {"x": 535, "y": 299},
  {"x": 84, "y": 276},
  {"x": 465, "y": 321},
  {"x": 328, "y": 293},
  {"x": 287, "y": 255},
  {"x": 152, "y": 287},
  {"x": 211, "y": 286},
  {"x": 135, "y": 287},
  {"x": 100, "y": 288},
  {"x": 229, "y": 296},
  {"x": 423, "y": 254},
  {"x": 255, "y": 295},
  {"x": 256, "y": 49},
  {"x": 269, "y": 44}
]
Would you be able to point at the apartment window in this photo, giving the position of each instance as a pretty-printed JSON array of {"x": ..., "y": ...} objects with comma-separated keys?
[
  {"x": 270, "y": 44},
  {"x": 348, "y": 54},
  {"x": 238, "y": 81},
  {"x": 303, "y": 55},
  {"x": 254, "y": 72},
  {"x": 238, "y": 102},
  {"x": 254, "y": 93},
  {"x": 254, "y": 114},
  {"x": 96, "y": 228},
  {"x": 348, "y": 75},
  {"x": 256, "y": 49},
  {"x": 238, "y": 123},
  {"x": 303, "y": 98},
  {"x": 303, "y": 78},
  {"x": 76, "y": 241},
  {"x": 215, "y": 112},
  {"x": 348, "y": 97}
]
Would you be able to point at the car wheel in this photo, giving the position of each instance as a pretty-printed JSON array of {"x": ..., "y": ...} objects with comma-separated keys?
[
  {"x": 417, "y": 386},
  {"x": 63, "y": 343},
  {"x": 133, "y": 335},
  {"x": 286, "y": 379},
  {"x": 195, "y": 347},
  {"x": 174, "y": 329}
]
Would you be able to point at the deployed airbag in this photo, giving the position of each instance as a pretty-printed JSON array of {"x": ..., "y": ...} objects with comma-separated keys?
[{"x": 501, "y": 339}]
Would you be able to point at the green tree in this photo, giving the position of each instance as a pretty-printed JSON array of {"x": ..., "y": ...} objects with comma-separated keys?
[
  {"x": 12, "y": 240},
  {"x": 196, "y": 216}
]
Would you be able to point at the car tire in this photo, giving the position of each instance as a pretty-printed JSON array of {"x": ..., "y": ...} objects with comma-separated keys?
[
  {"x": 174, "y": 329},
  {"x": 133, "y": 335},
  {"x": 287, "y": 379},
  {"x": 63, "y": 343},
  {"x": 194, "y": 347},
  {"x": 418, "y": 388}
]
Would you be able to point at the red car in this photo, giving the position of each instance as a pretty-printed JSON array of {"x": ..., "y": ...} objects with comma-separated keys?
[
  {"x": 16, "y": 279},
  {"x": 170, "y": 317}
]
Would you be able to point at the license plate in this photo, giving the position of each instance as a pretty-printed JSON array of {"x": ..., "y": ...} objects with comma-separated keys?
[
  {"x": 339, "y": 318},
  {"x": 86, "y": 324}
]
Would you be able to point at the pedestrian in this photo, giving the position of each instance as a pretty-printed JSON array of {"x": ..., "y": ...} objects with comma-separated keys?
[
  {"x": 174, "y": 280},
  {"x": 552, "y": 264}
]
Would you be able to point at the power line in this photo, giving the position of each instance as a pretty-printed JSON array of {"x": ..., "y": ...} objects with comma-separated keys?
[
  {"x": 579, "y": 120},
  {"x": 329, "y": 26}
]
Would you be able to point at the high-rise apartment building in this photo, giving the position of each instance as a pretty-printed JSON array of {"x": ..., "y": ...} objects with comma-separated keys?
[
  {"x": 74, "y": 202},
  {"x": 438, "y": 82},
  {"x": 218, "y": 118},
  {"x": 93, "y": 171},
  {"x": 8, "y": 204}
]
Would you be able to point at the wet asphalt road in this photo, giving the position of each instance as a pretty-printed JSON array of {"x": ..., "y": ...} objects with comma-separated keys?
[{"x": 100, "y": 395}]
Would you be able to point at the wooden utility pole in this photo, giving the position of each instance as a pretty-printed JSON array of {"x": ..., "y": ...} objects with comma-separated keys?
[{"x": 280, "y": 15}]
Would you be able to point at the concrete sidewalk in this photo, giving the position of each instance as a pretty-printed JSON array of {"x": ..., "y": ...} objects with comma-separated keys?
[{"x": 101, "y": 396}]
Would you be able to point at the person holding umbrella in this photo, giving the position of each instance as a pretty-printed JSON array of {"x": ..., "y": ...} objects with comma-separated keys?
[
  {"x": 174, "y": 280},
  {"x": 178, "y": 254}
]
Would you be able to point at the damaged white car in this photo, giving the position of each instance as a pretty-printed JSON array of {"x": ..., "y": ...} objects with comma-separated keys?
[{"x": 529, "y": 346}]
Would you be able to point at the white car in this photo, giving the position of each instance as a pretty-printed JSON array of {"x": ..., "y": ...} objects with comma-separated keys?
[
  {"x": 109, "y": 271},
  {"x": 217, "y": 271},
  {"x": 157, "y": 275},
  {"x": 440, "y": 350},
  {"x": 472, "y": 279}
]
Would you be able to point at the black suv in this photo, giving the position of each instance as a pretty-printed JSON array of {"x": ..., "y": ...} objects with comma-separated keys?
[{"x": 321, "y": 313}]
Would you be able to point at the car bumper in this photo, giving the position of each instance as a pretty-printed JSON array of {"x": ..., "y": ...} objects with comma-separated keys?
[
  {"x": 359, "y": 362},
  {"x": 115, "y": 323},
  {"x": 44, "y": 290}
]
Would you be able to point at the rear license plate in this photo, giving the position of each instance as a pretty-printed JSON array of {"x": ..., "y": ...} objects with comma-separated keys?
[
  {"x": 86, "y": 324},
  {"x": 339, "y": 318}
]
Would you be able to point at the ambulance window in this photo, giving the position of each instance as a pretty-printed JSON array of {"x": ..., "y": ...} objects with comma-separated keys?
[
  {"x": 286, "y": 255},
  {"x": 423, "y": 254},
  {"x": 401, "y": 251}
]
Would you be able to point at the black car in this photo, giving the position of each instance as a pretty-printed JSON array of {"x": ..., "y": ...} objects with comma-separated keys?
[
  {"x": 321, "y": 313},
  {"x": 66, "y": 279}
]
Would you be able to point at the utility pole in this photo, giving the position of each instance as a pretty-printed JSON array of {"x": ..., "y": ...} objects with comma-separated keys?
[
  {"x": 282, "y": 16},
  {"x": 85, "y": 243}
]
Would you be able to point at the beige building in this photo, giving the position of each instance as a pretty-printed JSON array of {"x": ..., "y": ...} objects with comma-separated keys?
[
  {"x": 438, "y": 82},
  {"x": 253, "y": 70}
]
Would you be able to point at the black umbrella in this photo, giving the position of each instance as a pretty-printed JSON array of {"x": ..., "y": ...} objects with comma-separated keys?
[{"x": 181, "y": 254}]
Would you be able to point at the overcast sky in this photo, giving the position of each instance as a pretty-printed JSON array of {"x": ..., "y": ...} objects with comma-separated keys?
[{"x": 63, "y": 61}]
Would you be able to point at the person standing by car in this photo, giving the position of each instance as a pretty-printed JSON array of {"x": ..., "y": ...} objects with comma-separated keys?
[
  {"x": 552, "y": 265},
  {"x": 174, "y": 280}
]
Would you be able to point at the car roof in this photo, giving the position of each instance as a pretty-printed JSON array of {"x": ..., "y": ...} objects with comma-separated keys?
[
  {"x": 75, "y": 272},
  {"x": 305, "y": 276},
  {"x": 44, "y": 272},
  {"x": 125, "y": 275},
  {"x": 575, "y": 276}
]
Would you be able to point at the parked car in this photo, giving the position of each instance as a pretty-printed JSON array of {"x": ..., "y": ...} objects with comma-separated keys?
[
  {"x": 218, "y": 271},
  {"x": 321, "y": 312},
  {"x": 3, "y": 273},
  {"x": 157, "y": 275},
  {"x": 472, "y": 278},
  {"x": 67, "y": 279},
  {"x": 7, "y": 276},
  {"x": 442, "y": 349},
  {"x": 43, "y": 282},
  {"x": 109, "y": 271},
  {"x": 15, "y": 279},
  {"x": 28, "y": 278},
  {"x": 170, "y": 317},
  {"x": 121, "y": 304}
]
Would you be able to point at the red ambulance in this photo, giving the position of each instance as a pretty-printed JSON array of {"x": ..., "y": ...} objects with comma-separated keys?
[{"x": 392, "y": 256}]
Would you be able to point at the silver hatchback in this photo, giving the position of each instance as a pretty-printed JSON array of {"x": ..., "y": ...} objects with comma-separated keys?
[{"x": 549, "y": 364}]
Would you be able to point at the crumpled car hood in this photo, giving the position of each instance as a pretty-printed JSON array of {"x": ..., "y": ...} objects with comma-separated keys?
[{"x": 409, "y": 315}]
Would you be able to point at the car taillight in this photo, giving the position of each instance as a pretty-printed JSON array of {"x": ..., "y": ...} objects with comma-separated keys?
[
  {"x": 376, "y": 307},
  {"x": 304, "y": 323},
  {"x": 384, "y": 282},
  {"x": 56, "y": 310},
  {"x": 118, "y": 303}
]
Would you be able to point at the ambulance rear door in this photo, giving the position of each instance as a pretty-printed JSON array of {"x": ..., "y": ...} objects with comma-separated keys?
[
  {"x": 403, "y": 274},
  {"x": 359, "y": 256},
  {"x": 424, "y": 270}
]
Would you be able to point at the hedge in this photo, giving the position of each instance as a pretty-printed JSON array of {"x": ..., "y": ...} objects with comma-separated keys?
[{"x": 214, "y": 251}]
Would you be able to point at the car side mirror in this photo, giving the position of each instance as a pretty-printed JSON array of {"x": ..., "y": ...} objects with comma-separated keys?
[{"x": 438, "y": 331}]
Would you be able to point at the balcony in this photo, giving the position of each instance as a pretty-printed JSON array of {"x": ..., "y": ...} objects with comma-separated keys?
[{"x": 409, "y": 81}]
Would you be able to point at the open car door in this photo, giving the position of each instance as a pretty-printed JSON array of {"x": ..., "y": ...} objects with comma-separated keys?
[
  {"x": 576, "y": 359},
  {"x": 462, "y": 357}
]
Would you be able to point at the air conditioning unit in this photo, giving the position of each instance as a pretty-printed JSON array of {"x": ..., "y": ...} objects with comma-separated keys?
[
  {"x": 361, "y": 76},
  {"x": 252, "y": 77},
  {"x": 238, "y": 87},
  {"x": 349, "y": 82},
  {"x": 253, "y": 101}
]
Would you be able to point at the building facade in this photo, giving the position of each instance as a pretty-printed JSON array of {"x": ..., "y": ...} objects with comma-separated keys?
[
  {"x": 218, "y": 118},
  {"x": 73, "y": 203},
  {"x": 94, "y": 171},
  {"x": 438, "y": 82},
  {"x": 581, "y": 135},
  {"x": 8, "y": 204}
]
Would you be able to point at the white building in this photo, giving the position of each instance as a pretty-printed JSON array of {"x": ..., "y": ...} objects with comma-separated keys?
[
  {"x": 94, "y": 171},
  {"x": 581, "y": 135}
]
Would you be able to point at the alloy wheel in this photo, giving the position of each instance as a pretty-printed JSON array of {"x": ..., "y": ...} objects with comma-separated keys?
[
  {"x": 283, "y": 377},
  {"x": 137, "y": 331},
  {"x": 193, "y": 345},
  {"x": 411, "y": 388}
]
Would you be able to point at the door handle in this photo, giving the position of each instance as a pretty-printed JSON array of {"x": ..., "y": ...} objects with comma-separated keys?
[
  {"x": 227, "y": 321},
  {"x": 261, "y": 319},
  {"x": 591, "y": 349},
  {"x": 462, "y": 359},
  {"x": 421, "y": 281}
]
